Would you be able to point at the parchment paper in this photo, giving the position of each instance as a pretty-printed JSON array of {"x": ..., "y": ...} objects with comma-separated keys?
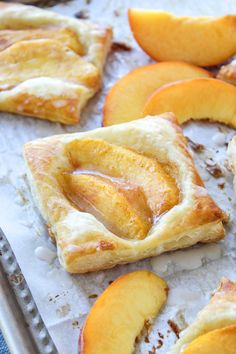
[{"x": 64, "y": 300}]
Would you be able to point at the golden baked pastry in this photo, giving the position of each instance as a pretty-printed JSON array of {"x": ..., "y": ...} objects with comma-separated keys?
[
  {"x": 50, "y": 65},
  {"x": 228, "y": 72},
  {"x": 119, "y": 194},
  {"x": 217, "y": 319}
]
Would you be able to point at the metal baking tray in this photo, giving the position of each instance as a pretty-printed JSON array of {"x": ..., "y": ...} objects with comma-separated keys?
[{"x": 20, "y": 321}]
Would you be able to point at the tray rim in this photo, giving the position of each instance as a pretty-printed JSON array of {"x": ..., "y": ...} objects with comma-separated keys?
[{"x": 19, "y": 314}]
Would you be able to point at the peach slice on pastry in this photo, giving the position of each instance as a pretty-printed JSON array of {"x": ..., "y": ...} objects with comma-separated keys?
[
  {"x": 202, "y": 41},
  {"x": 95, "y": 189},
  {"x": 64, "y": 35},
  {"x": 26, "y": 60},
  {"x": 118, "y": 204},
  {"x": 214, "y": 326},
  {"x": 142, "y": 171},
  {"x": 119, "y": 314},
  {"x": 126, "y": 99},
  {"x": 195, "y": 99}
]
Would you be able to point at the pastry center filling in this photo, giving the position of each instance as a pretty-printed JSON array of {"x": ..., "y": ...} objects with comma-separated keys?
[
  {"x": 54, "y": 53},
  {"x": 64, "y": 35},
  {"x": 125, "y": 190}
]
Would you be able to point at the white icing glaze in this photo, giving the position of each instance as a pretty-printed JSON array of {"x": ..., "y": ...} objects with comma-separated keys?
[
  {"x": 45, "y": 254},
  {"x": 46, "y": 87},
  {"x": 189, "y": 259},
  {"x": 160, "y": 264},
  {"x": 219, "y": 139}
]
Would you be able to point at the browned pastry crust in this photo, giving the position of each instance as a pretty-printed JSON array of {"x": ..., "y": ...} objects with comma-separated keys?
[
  {"x": 85, "y": 243},
  {"x": 50, "y": 65}
]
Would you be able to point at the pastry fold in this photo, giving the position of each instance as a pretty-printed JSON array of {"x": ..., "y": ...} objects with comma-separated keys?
[
  {"x": 50, "y": 65},
  {"x": 143, "y": 167},
  {"x": 219, "y": 313}
]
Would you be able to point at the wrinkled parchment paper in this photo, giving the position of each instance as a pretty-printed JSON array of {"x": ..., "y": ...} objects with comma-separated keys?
[{"x": 64, "y": 300}]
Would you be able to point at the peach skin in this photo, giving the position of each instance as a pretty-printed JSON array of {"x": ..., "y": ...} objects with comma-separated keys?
[
  {"x": 126, "y": 99},
  {"x": 201, "y": 98},
  {"x": 203, "y": 41},
  {"x": 120, "y": 313}
]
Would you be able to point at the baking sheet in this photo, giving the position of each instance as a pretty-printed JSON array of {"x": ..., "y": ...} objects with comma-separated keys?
[
  {"x": 20, "y": 320},
  {"x": 64, "y": 300}
]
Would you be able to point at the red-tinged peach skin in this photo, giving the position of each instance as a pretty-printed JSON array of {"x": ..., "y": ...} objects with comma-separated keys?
[
  {"x": 203, "y": 41},
  {"x": 201, "y": 98},
  {"x": 120, "y": 313},
  {"x": 126, "y": 99}
]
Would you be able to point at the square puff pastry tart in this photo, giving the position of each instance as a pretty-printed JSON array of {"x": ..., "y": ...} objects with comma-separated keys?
[
  {"x": 218, "y": 314},
  {"x": 50, "y": 65},
  {"x": 119, "y": 194}
]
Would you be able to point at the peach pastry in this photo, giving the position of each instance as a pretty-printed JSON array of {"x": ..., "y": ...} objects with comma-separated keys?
[
  {"x": 228, "y": 72},
  {"x": 50, "y": 65},
  {"x": 119, "y": 314},
  {"x": 203, "y": 41},
  {"x": 214, "y": 329},
  {"x": 119, "y": 194}
]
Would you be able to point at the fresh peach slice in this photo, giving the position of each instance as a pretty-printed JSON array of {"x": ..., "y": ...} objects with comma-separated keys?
[
  {"x": 116, "y": 161},
  {"x": 195, "y": 99},
  {"x": 120, "y": 313},
  {"x": 118, "y": 205},
  {"x": 221, "y": 341},
  {"x": 126, "y": 99},
  {"x": 203, "y": 41}
]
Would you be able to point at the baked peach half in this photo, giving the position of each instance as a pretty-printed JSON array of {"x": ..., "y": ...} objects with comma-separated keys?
[
  {"x": 120, "y": 206},
  {"x": 203, "y": 41},
  {"x": 120, "y": 313},
  {"x": 126, "y": 99},
  {"x": 201, "y": 98},
  {"x": 143, "y": 174},
  {"x": 221, "y": 340}
]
